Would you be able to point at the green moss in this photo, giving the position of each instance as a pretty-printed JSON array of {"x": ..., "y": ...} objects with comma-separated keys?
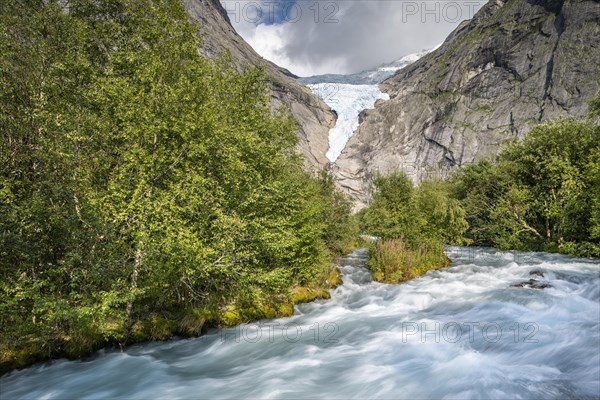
[
  {"x": 303, "y": 295},
  {"x": 193, "y": 320},
  {"x": 484, "y": 108},
  {"x": 466, "y": 125},
  {"x": 285, "y": 309},
  {"x": 236, "y": 314},
  {"x": 306, "y": 295},
  {"x": 161, "y": 328}
]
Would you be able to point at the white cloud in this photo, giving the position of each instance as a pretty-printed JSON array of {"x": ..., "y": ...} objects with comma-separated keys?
[{"x": 348, "y": 36}]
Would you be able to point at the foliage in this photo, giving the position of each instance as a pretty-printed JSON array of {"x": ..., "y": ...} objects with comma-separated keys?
[
  {"x": 395, "y": 260},
  {"x": 543, "y": 193},
  {"x": 341, "y": 231},
  {"x": 398, "y": 209},
  {"x": 413, "y": 224},
  {"x": 595, "y": 107},
  {"x": 144, "y": 190}
]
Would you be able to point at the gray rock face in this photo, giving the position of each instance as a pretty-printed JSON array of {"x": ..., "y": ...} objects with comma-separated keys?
[
  {"x": 314, "y": 117},
  {"x": 515, "y": 64}
]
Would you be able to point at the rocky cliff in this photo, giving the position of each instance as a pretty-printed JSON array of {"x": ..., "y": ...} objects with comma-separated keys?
[
  {"x": 515, "y": 64},
  {"x": 314, "y": 117}
]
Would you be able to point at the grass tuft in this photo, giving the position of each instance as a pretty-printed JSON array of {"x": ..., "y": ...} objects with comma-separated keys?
[{"x": 395, "y": 260}]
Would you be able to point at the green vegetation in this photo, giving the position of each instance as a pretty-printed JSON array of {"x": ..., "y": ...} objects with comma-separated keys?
[
  {"x": 144, "y": 190},
  {"x": 399, "y": 209},
  {"x": 486, "y": 108},
  {"x": 595, "y": 107},
  {"x": 413, "y": 224},
  {"x": 395, "y": 260},
  {"x": 543, "y": 193}
]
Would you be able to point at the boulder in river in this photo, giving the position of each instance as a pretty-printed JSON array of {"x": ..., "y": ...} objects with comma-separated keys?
[{"x": 533, "y": 284}]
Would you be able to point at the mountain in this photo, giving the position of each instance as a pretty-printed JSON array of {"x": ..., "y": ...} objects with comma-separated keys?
[
  {"x": 349, "y": 95},
  {"x": 368, "y": 77},
  {"x": 314, "y": 117},
  {"x": 515, "y": 64}
]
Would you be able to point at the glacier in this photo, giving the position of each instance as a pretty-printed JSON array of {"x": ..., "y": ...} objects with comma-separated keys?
[
  {"x": 347, "y": 101},
  {"x": 349, "y": 95}
]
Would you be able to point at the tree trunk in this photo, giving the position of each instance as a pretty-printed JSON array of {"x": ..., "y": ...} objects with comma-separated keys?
[{"x": 137, "y": 264}]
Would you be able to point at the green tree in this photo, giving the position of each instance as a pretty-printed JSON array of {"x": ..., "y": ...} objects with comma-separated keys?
[
  {"x": 427, "y": 212},
  {"x": 541, "y": 192},
  {"x": 144, "y": 190}
]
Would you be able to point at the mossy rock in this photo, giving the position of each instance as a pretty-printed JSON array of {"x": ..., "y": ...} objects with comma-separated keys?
[
  {"x": 303, "y": 295},
  {"x": 229, "y": 318},
  {"x": 285, "y": 309},
  {"x": 306, "y": 295},
  {"x": 193, "y": 320},
  {"x": 239, "y": 314}
]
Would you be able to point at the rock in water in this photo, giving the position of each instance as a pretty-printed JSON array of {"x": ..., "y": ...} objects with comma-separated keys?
[{"x": 533, "y": 284}]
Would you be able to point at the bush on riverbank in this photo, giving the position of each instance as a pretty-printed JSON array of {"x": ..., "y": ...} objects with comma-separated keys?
[{"x": 541, "y": 193}]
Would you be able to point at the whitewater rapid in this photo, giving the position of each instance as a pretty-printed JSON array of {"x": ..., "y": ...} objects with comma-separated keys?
[{"x": 462, "y": 332}]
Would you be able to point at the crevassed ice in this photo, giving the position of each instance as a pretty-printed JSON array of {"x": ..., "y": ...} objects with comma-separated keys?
[{"x": 348, "y": 101}]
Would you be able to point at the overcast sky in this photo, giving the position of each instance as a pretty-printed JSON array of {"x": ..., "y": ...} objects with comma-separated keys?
[{"x": 311, "y": 37}]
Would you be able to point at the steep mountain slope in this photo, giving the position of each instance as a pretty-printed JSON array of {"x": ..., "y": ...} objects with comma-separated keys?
[
  {"x": 314, "y": 116},
  {"x": 349, "y": 95},
  {"x": 515, "y": 64},
  {"x": 368, "y": 77}
]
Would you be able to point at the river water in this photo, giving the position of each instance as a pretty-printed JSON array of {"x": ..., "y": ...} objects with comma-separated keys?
[{"x": 461, "y": 332}]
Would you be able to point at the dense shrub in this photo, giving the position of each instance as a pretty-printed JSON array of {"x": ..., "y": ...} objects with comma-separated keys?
[
  {"x": 542, "y": 193},
  {"x": 413, "y": 224},
  {"x": 395, "y": 260},
  {"x": 144, "y": 190}
]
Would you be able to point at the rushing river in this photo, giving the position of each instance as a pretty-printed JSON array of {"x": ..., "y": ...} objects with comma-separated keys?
[{"x": 467, "y": 331}]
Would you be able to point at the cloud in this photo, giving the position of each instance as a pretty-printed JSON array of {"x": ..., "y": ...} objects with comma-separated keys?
[{"x": 311, "y": 37}]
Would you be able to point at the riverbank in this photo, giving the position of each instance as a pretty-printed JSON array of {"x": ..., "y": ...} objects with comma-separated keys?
[
  {"x": 163, "y": 326},
  {"x": 458, "y": 332}
]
